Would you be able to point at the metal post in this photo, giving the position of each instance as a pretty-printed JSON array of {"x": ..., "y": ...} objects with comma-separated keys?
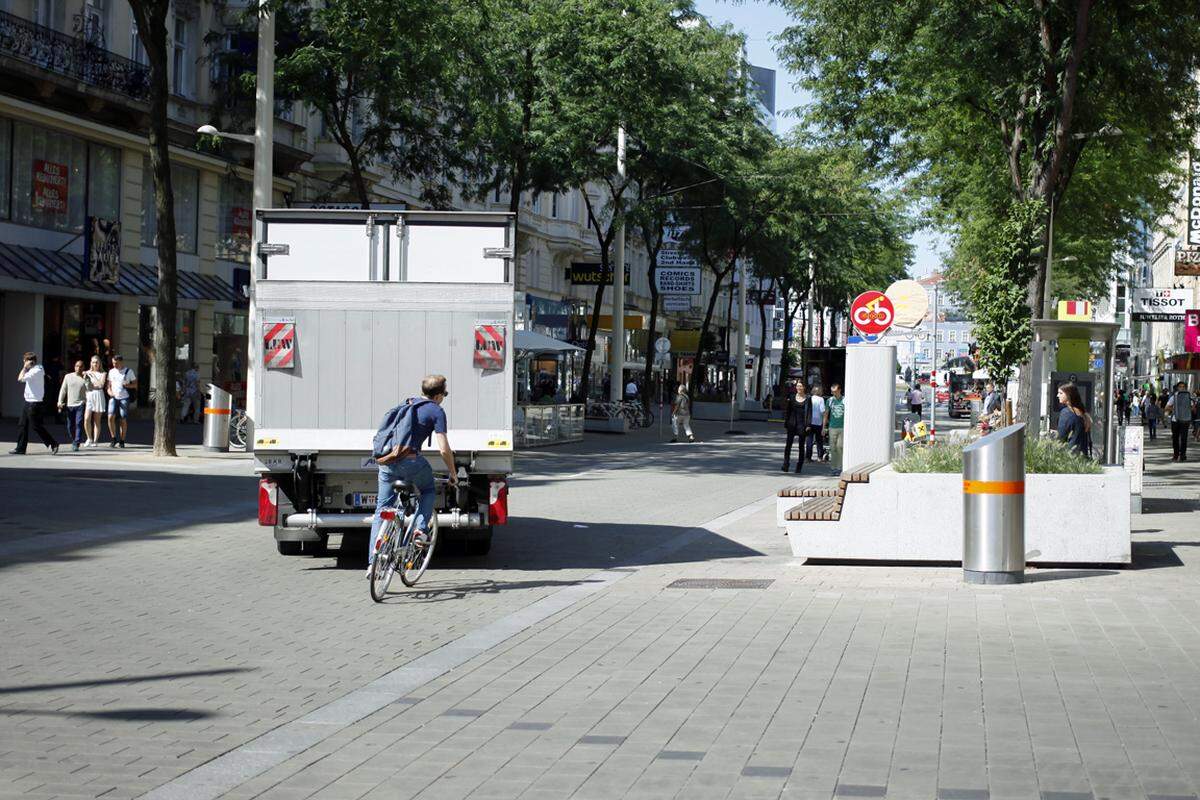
[
  {"x": 1110, "y": 426},
  {"x": 616, "y": 388},
  {"x": 264, "y": 124},
  {"x": 933, "y": 369},
  {"x": 994, "y": 507},
  {"x": 739, "y": 395}
]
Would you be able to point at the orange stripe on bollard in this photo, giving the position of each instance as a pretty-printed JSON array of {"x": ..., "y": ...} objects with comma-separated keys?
[
  {"x": 218, "y": 411},
  {"x": 993, "y": 487}
]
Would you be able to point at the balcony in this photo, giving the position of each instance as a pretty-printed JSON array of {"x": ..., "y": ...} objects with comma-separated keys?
[{"x": 72, "y": 57}]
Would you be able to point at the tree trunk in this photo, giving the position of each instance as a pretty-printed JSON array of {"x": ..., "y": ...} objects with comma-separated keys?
[
  {"x": 586, "y": 379},
  {"x": 650, "y": 351},
  {"x": 708, "y": 315},
  {"x": 1035, "y": 297},
  {"x": 359, "y": 180},
  {"x": 152, "y": 30},
  {"x": 763, "y": 356}
]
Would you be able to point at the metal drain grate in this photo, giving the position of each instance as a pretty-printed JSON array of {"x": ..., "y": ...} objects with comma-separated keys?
[{"x": 720, "y": 583}]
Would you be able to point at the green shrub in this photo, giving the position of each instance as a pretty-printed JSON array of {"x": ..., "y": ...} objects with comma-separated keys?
[{"x": 1042, "y": 456}]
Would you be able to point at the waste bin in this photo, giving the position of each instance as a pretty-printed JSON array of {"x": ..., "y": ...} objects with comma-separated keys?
[
  {"x": 994, "y": 507},
  {"x": 216, "y": 419}
]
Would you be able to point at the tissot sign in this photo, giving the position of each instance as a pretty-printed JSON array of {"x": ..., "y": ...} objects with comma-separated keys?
[{"x": 1160, "y": 305}]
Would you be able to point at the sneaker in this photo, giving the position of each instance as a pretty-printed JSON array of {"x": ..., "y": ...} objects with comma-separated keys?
[
  {"x": 54, "y": 449},
  {"x": 691, "y": 438},
  {"x": 113, "y": 443},
  {"x": 673, "y": 440},
  {"x": 121, "y": 444},
  {"x": 75, "y": 447},
  {"x": 16, "y": 452}
]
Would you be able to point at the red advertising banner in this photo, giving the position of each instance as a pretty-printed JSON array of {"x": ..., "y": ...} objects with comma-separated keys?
[
  {"x": 50, "y": 182},
  {"x": 1191, "y": 331},
  {"x": 489, "y": 347}
]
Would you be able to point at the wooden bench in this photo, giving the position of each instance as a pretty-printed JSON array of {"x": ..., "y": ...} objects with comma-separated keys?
[{"x": 824, "y": 500}]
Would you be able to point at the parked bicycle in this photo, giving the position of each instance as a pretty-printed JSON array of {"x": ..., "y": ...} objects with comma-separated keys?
[
  {"x": 633, "y": 411},
  {"x": 239, "y": 428},
  {"x": 396, "y": 549}
]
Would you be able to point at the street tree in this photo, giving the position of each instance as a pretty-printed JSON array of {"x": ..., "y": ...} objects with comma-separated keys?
[
  {"x": 151, "y": 17},
  {"x": 995, "y": 104},
  {"x": 383, "y": 75}
]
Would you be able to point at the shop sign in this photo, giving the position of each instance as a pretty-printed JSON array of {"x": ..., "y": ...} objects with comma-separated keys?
[
  {"x": 489, "y": 347},
  {"x": 872, "y": 313},
  {"x": 50, "y": 182},
  {"x": 1187, "y": 261},
  {"x": 1160, "y": 305},
  {"x": 677, "y": 279},
  {"x": 675, "y": 257},
  {"x": 587, "y": 273},
  {"x": 279, "y": 343},
  {"x": 1191, "y": 331},
  {"x": 1193, "y": 202},
  {"x": 102, "y": 250},
  {"x": 677, "y": 302},
  {"x": 1074, "y": 310}
]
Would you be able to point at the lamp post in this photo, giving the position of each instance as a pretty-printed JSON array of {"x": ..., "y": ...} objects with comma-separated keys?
[{"x": 263, "y": 140}]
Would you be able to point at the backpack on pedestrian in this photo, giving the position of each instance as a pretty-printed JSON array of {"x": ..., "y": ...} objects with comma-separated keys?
[{"x": 394, "y": 439}]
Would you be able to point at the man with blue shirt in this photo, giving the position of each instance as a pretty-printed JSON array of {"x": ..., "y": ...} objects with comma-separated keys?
[{"x": 430, "y": 421}]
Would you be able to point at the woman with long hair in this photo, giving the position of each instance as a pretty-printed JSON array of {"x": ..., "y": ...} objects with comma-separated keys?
[
  {"x": 94, "y": 407},
  {"x": 1072, "y": 427}
]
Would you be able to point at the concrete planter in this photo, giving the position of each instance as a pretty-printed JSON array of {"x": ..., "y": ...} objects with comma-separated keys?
[
  {"x": 1069, "y": 519},
  {"x": 711, "y": 411}
]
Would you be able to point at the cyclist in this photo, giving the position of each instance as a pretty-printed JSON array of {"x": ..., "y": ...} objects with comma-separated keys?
[{"x": 411, "y": 466}]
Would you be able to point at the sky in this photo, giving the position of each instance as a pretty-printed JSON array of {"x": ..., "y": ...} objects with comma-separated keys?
[{"x": 761, "y": 22}]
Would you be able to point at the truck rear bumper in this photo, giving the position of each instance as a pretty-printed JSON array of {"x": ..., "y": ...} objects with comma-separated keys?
[{"x": 317, "y": 520}]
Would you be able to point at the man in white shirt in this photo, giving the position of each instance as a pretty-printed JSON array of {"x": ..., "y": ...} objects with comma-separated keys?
[
  {"x": 816, "y": 426},
  {"x": 120, "y": 380},
  {"x": 631, "y": 390},
  {"x": 34, "y": 378}
]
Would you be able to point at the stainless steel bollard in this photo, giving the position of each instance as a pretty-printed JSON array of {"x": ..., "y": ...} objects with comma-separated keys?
[
  {"x": 994, "y": 507},
  {"x": 216, "y": 419}
]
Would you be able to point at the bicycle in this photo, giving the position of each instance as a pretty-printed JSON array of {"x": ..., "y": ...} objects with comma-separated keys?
[
  {"x": 239, "y": 426},
  {"x": 395, "y": 548}
]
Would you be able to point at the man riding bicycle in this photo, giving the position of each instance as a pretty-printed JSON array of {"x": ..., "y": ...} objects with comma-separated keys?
[{"x": 409, "y": 465}]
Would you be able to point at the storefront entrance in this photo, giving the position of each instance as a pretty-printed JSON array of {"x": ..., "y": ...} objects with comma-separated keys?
[{"x": 76, "y": 330}]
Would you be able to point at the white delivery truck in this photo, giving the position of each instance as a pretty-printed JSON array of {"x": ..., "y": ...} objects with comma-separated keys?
[{"x": 351, "y": 310}]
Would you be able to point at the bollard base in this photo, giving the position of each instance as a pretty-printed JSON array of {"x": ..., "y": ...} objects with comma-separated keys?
[
  {"x": 216, "y": 449},
  {"x": 992, "y": 578}
]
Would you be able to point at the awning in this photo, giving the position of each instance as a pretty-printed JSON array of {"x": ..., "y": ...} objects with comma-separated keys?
[
  {"x": 534, "y": 342},
  {"x": 64, "y": 270}
]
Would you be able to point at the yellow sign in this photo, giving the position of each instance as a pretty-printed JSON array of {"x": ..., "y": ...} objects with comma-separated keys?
[{"x": 1078, "y": 310}]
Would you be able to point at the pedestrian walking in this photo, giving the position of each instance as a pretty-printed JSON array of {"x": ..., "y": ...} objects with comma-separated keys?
[
  {"x": 1152, "y": 414},
  {"x": 681, "y": 415},
  {"x": 1121, "y": 402},
  {"x": 916, "y": 399},
  {"x": 1179, "y": 407},
  {"x": 72, "y": 398},
  {"x": 991, "y": 401},
  {"x": 405, "y": 462},
  {"x": 631, "y": 390},
  {"x": 1135, "y": 404},
  {"x": 835, "y": 420},
  {"x": 96, "y": 402},
  {"x": 191, "y": 403},
  {"x": 1071, "y": 425},
  {"x": 816, "y": 426},
  {"x": 120, "y": 380},
  {"x": 34, "y": 378},
  {"x": 796, "y": 413}
]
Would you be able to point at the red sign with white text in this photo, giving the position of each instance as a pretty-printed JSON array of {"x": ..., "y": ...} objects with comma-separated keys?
[
  {"x": 50, "y": 181},
  {"x": 1191, "y": 331}
]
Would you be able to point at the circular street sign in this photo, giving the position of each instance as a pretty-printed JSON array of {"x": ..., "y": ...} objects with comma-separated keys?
[
  {"x": 663, "y": 345},
  {"x": 872, "y": 313},
  {"x": 910, "y": 302}
]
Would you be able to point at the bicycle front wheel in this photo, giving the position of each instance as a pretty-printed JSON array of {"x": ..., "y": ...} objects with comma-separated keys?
[
  {"x": 238, "y": 423},
  {"x": 414, "y": 559},
  {"x": 384, "y": 565}
]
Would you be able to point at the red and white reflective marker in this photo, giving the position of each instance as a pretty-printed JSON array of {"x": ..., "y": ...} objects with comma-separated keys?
[{"x": 872, "y": 313}]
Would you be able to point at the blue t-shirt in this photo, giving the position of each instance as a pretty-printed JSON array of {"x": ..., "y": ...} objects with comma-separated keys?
[
  {"x": 431, "y": 419},
  {"x": 1071, "y": 429}
]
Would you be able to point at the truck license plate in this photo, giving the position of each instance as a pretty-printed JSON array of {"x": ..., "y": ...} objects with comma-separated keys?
[{"x": 365, "y": 500}]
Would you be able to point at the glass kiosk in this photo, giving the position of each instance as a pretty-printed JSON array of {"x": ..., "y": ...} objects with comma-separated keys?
[{"x": 1082, "y": 352}]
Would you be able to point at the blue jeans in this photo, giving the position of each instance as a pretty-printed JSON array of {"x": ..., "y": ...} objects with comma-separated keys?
[
  {"x": 118, "y": 408},
  {"x": 417, "y": 471},
  {"x": 75, "y": 422}
]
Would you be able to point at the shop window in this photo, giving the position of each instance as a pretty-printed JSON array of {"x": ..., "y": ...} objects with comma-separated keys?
[
  {"x": 5, "y": 166},
  {"x": 49, "y": 170},
  {"x": 185, "y": 348},
  {"x": 233, "y": 225},
  {"x": 185, "y": 182},
  {"x": 104, "y": 182},
  {"x": 229, "y": 348}
]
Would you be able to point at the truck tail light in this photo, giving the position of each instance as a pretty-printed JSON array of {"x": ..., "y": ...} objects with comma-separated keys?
[
  {"x": 498, "y": 501},
  {"x": 268, "y": 502}
]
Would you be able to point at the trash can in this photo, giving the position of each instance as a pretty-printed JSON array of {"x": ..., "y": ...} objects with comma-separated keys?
[
  {"x": 994, "y": 507},
  {"x": 216, "y": 419}
]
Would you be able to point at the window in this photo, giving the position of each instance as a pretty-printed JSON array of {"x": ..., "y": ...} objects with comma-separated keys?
[
  {"x": 181, "y": 58},
  {"x": 136, "y": 51},
  {"x": 104, "y": 182},
  {"x": 953, "y": 336},
  {"x": 233, "y": 224},
  {"x": 5, "y": 166},
  {"x": 95, "y": 13},
  {"x": 49, "y": 170},
  {"x": 51, "y": 13},
  {"x": 186, "y": 183}
]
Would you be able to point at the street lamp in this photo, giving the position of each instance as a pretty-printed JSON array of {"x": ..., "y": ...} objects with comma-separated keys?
[{"x": 209, "y": 130}]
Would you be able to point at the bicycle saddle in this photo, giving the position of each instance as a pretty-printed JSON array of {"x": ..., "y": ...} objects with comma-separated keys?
[{"x": 405, "y": 487}]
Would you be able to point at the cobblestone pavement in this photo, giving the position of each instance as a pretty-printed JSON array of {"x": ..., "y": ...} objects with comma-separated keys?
[{"x": 196, "y": 663}]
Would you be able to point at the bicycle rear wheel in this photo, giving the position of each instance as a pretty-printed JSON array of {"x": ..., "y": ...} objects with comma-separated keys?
[
  {"x": 238, "y": 423},
  {"x": 384, "y": 565},
  {"x": 414, "y": 559}
]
